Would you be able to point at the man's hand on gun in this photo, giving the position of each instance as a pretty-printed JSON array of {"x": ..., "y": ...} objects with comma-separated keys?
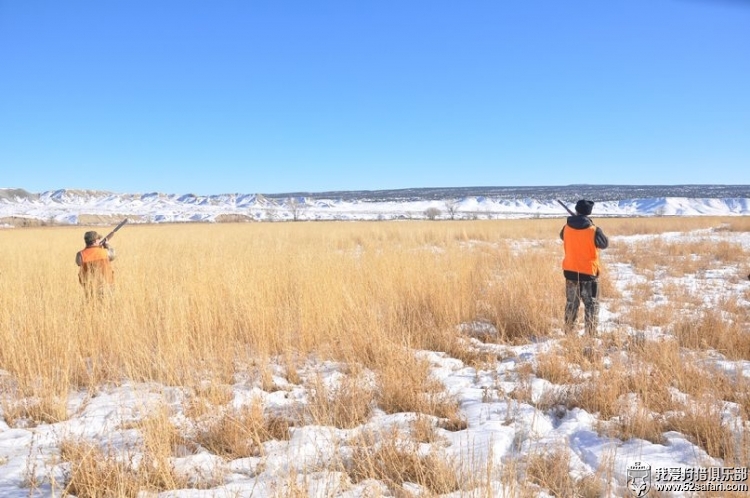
[{"x": 105, "y": 241}]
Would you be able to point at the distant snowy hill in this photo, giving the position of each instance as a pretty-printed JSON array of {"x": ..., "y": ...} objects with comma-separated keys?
[{"x": 67, "y": 206}]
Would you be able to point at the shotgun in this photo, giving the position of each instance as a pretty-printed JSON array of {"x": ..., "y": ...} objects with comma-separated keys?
[
  {"x": 112, "y": 233},
  {"x": 566, "y": 207}
]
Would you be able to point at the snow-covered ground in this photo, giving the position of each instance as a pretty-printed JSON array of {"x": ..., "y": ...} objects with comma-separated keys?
[{"x": 499, "y": 428}]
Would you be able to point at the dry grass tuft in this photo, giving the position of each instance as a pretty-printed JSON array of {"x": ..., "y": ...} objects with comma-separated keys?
[
  {"x": 423, "y": 429},
  {"x": 405, "y": 385},
  {"x": 712, "y": 330},
  {"x": 526, "y": 302},
  {"x": 206, "y": 398},
  {"x": 639, "y": 422},
  {"x": 554, "y": 367},
  {"x": 347, "y": 405},
  {"x": 240, "y": 433},
  {"x": 704, "y": 425},
  {"x": 550, "y": 470},
  {"x": 398, "y": 461},
  {"x": 94, "y": 472},
  {"x": 30, "y": 412}
]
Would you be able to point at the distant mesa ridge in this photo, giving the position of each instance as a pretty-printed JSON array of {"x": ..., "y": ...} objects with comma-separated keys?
[
  {"x": 597, "y": 192},
  {"x": 80, "y": 206}
]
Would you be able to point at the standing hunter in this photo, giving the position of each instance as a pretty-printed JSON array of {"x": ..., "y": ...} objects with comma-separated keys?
[
  {"x": 582, "y": 241},
  {"x": 96, "y": 274}
]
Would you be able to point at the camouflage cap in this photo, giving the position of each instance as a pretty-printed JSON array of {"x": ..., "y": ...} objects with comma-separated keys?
[{"x": 91, "y": 237}]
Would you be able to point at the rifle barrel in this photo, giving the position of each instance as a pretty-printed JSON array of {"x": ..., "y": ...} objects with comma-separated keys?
[
  {"x": 566, "y": 207},
  {"x": 112, "y": 233}
]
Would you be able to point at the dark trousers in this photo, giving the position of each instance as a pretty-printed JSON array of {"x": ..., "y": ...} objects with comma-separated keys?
[{"x": 588, "y": 292}]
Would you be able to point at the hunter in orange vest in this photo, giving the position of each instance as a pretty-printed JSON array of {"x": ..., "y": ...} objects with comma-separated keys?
[
  {"x": 95, "y": 274},
  {"x": 582, "y": 241}
]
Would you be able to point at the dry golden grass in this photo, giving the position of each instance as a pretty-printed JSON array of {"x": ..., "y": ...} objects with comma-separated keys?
[
  {"x": 239, "y": 432},
  {"x": 712, "y": 330},
  {"x": 423, "y": 430},
  {"x": 677, "y": 258},
  {"x": 196, "y": 304},
  {"x": 703, "y": 424},
  {"x": 644, "y": 316},
  {"x": 396, "y": 461},
  {"x": 405, "y": 385},
  {"x": 192, "y": 300},
  {"x": 96, "y": 472},
  {"x": 347, "y": 405},
  {"x": 660, "y": 225},
  {"x": 553, "y": 366},
  {"x": 197, "y": 294},
  {"x": 206, "y": 399},
  {"x": 28, "y": 412},
  {"x": 550, "y": 470}
]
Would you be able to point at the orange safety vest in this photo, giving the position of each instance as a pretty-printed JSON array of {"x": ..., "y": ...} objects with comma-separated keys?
[
  {"x": 95, "y": 267},
  {"x": 581, "y": 253}
]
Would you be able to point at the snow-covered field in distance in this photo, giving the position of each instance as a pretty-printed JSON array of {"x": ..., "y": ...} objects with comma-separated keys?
[{"x": 71, "y": 206}]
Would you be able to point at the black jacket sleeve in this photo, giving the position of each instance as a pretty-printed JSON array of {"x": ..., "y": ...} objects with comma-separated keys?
[{"x": 600, "y": 240}]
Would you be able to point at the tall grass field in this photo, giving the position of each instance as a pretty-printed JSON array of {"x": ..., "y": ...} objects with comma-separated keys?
[{"x": 205, "y": 308}]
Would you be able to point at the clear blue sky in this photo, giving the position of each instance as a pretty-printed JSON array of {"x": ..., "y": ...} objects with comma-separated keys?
[{"x": 276, "y": 96}]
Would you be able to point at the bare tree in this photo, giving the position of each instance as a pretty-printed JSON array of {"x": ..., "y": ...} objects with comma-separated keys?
[
  {"x": 270, "y": 209},
  {"x": 271, "y": 213},
  {"x": 296, "y": 205},
  {"x": 432, "y": 213},
  {"x": 451, "y": 206}
]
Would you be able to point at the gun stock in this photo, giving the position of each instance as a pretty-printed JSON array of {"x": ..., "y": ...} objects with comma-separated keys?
[{"x": 111, "y": 234}]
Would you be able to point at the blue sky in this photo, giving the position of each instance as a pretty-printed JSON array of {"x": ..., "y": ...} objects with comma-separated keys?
[{"x": 279, "y": 96}]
